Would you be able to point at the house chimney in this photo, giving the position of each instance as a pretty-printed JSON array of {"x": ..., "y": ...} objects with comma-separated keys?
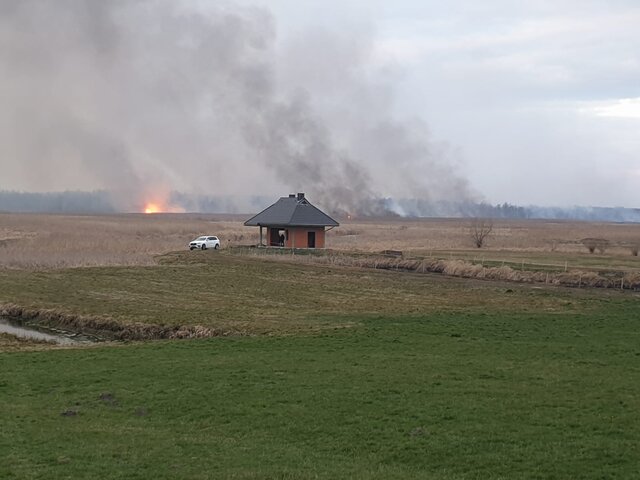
[
  {"x": 292, "y": 195},
  {"x": 300, "y": 196}
]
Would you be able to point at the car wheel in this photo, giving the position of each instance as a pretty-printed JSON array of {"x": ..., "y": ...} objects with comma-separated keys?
[
  {"x": 191, "y": 248},
  {"x": 204, "y": 247},
  {"x": 217, "y": 246}
]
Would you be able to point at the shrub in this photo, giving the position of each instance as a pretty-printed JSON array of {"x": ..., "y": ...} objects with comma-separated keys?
[
  {"x": 480, "y": 230},
  {"x": 594, "y": 244}
]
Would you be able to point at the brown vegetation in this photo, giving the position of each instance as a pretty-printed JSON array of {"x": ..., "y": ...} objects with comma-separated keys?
[
  {"x": 108, "y": 327},
  {"x": 437, "y": 234},
  {"x": 480, "y": 229},
  {"x": 10, "y": 343},
  {"x": 30, "y": 241},
  {"x": 459, "y": 268},
  {"x": 59, "y": 241},
  {"x": 594, "y": 244}
]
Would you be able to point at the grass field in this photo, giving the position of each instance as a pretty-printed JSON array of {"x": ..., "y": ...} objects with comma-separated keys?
[
  {"x": 250, "y": 295},
  {"x": 443, "y": 396},
  {"x": 330, "y": 372}
]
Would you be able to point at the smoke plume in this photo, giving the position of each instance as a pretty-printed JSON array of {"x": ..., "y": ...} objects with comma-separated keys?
[{"x": 144, "y": 98}]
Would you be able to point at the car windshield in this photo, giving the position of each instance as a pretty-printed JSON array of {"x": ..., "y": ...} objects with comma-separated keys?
[{"x": 201, "y": 238}]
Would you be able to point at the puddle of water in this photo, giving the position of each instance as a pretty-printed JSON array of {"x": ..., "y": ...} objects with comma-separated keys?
[{"x": 23, "y": 330}]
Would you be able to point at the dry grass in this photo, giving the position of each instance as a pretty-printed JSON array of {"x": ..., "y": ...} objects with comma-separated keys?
[
  {"x": 109, "y": 328},
  {"x": 520, "y": 244},
  {"x": 36, "y": 241},
  {"x": 10, "y": 343},
  {"x": 58, "y": 241},
  {"x": 623, "y": 279},
  {"x": 424, "y": 235}
]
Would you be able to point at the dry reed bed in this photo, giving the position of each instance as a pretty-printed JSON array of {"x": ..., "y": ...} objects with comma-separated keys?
[
  {"x": 460, "y": 268},
  {"x": 40, "y": 241},
  {"x": 30, "y": 241},
  {"x": 108, "y": 327},
  {"x": 514, "y": 235}
]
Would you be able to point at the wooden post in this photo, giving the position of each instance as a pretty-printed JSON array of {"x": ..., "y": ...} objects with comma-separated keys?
[{"x": 260, "y": 235}]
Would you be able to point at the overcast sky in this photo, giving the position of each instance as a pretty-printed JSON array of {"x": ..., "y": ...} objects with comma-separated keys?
[
  {"x": 522, "y": 102},
  {"x": 540, "y": 99}
]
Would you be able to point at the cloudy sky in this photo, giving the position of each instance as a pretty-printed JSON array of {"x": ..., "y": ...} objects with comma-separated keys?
[
  {"x": 540, "y": 100},
  {"x": 521, "y": 102}
]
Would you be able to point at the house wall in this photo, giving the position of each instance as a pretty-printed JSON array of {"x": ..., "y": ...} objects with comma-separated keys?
[{"x": 298, "y": 237}]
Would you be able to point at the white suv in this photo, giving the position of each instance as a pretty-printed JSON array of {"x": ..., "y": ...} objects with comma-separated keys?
[{"x": 204, "y": 243}]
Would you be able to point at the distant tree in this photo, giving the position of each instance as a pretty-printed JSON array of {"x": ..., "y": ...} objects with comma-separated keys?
[{"x": 480, "y": 229}]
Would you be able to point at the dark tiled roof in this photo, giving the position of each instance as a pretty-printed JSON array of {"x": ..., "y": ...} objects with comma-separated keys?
[{"x": 292, "y": 212}]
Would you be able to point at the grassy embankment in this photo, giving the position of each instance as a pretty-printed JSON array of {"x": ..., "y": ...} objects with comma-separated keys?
[
  {"x": 251, "y": 295},
  {"x": 435, "y": 378}
]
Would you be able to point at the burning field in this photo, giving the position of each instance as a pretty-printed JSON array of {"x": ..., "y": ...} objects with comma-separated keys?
[{"x": 409, "y": 348}]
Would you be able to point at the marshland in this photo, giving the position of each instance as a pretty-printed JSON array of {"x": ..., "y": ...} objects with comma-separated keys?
[
  {"x": 256, "y": 363},
  {"x": 36, "y": 241}
]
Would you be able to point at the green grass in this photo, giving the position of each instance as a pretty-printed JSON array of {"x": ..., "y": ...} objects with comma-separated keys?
[
  {"x": 436, "y": 378},
  {"x": 444, "y": 397}
]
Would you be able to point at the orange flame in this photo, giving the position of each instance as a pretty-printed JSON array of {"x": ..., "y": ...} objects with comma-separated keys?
[
  {"x": 152, "y": 208},
  {"x": 161, "y": 207}
]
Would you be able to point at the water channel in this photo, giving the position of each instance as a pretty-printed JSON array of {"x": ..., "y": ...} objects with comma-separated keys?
[{"x": 28, "y": 330}]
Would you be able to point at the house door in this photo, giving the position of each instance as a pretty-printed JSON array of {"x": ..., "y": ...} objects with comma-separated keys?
[{"x": 311, "y": 239}]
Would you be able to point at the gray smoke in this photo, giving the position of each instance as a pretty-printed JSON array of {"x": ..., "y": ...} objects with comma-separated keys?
[{"x": 141, "y": 98}]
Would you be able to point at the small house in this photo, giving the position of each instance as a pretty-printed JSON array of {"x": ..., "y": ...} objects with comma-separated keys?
[{"x": 292, "y": 222}]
